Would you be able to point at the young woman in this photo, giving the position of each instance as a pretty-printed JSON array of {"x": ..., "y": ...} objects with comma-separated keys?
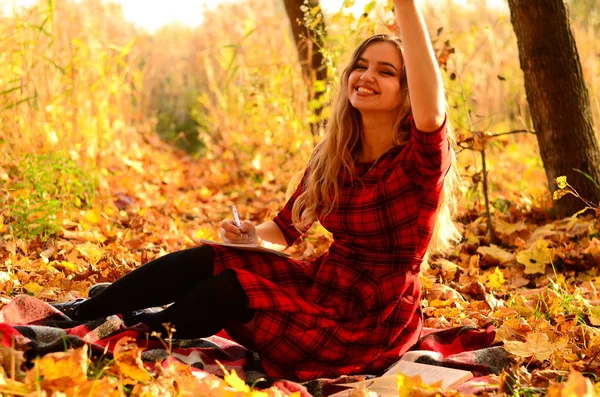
[{"x": 380, "y": 181}]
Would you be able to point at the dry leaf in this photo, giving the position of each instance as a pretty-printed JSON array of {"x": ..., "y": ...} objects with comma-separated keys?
[
  {"x": 60, "y": 371},
  {"x": 537, "y": 345},
  {"x": 33, "y": 288},
  {"x": 576, "y": 386},
  {"x": 500, "y": 255},
  {"x": 92, "y": 216},
  {"x": 494, "y": 280},
  {"x": 128, "y": 359},
  {"x": 536, "y": 257}
]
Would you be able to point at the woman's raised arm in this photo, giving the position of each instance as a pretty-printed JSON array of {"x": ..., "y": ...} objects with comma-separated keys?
[{"x": 424, "y": 79}]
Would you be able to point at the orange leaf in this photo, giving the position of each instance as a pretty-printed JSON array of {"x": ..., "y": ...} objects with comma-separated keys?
[
  {"x": 60, "y": 371},
  {"x": 128, "y": 358}
]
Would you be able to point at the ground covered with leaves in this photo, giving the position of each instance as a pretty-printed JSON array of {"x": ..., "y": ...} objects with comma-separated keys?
[{"x": 538, "y": 287}]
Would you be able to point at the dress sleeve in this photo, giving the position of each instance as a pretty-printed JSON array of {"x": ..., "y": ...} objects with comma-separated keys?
[
  {"x": 432, "y": 154},
  {"x": 284, "y": 218}
]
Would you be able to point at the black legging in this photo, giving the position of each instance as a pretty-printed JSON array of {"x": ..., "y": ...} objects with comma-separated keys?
[{"x": 203, "y": 304}]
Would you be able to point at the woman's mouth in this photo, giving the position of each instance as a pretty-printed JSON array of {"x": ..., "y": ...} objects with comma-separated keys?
[{"x": 365, "y": 91}]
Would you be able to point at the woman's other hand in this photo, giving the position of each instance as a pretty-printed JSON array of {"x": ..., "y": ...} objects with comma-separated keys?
[{"x": 230, "y": 233}]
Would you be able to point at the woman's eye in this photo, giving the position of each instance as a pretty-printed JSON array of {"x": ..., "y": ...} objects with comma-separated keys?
[
  {"x": 387, "y": 73},
  {"x": 360, "y": 67}
]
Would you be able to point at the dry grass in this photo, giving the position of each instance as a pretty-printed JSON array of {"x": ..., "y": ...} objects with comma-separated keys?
[{"x": 81, "y": 79}]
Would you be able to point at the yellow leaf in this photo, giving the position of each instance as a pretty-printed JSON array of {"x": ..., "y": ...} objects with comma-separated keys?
[
  {"x": 92, "y": 216},
  {"x": 537, "y": 346},
  {"x": 348, "y": 3},
  {"x": 594, "y": 316},
  {"x": 409, "y": 384},
  {"x": 204, "y": 233},
  {"x": 91, "y": 252},
  {"x": 10, "y": 387},
  {"x": 33, "y": 288},
  {"x": 235, "y": 382},
  {"x": 561, "y": 181},
  {"x": 128, "y": 358},
  {"x": 496, "y": 252},
  {"x": 508, "y": 228},
  {"x": 316, "y": 22},
  {"x": 65, "y": 265},
  {"x": 576, "y": 386},
  {"x": 536, "y": 257},
  {"x": 560, "y": 193},
  {"x": 205, "y": 193},
  {"x": 496, "y": 279},
  {"x": 369, "y": 7},
  {"x": 58, "y": 371}
]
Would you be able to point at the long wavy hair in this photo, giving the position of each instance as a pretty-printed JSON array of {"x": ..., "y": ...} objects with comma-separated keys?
[{"x": 335, "y": 154}]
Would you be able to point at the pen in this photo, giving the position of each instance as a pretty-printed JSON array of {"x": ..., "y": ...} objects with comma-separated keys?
[{"x": 236, "y": 217}]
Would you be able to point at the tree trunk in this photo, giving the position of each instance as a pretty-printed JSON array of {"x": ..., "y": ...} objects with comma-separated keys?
[
  {"x": 558, "y": 98},
  {"x": 308, "y": 44}
]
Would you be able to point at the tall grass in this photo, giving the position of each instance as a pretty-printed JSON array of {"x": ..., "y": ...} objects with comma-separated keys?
[
  {"x": 68, "y": 81},
  {"x": 81, "y": 79}
]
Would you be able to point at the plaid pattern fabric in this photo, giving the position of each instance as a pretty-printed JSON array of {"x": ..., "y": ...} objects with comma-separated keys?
[
  {"x": 356, "y": 308},
  {"x": 31, "y": 326}
]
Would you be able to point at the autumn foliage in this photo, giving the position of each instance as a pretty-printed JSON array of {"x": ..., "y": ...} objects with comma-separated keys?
[{"x": 118, "y": 146}]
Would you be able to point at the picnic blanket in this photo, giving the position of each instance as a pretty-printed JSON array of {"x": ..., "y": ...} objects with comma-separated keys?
[{"x": 28, "y": 320}]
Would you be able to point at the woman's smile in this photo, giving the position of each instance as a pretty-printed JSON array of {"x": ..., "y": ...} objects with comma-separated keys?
[{"x": 374, "y": 82}]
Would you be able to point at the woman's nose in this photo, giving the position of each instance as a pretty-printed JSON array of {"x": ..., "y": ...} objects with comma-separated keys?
[{"x": 367, "y": 75}]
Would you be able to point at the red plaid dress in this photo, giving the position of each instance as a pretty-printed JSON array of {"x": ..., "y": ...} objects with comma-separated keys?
[{"x": 356, "y": 308}]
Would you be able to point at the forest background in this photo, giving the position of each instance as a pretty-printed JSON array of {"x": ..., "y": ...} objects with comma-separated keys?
[{"x": 118, "y": 146}]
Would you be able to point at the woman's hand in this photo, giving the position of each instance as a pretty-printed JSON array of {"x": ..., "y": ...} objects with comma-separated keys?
[{"x": 230, "y": 233}]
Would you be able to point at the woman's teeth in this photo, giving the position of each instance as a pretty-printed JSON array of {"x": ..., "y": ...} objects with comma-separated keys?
[{"x": 365, "y": 90}]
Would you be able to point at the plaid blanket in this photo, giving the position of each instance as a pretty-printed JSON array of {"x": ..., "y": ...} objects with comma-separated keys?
[{"x": 28, "y": 319}]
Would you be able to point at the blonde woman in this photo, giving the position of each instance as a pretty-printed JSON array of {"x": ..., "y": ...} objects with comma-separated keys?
[{"x": 380, "y": 181}]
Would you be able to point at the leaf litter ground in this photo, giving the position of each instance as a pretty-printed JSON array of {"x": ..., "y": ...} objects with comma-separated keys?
[{"x": 539, "y": 287}]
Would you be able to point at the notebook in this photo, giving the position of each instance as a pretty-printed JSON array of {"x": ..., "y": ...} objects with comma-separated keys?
[
  {"x": 246, "y": 247},
  {"x": 387, "y": 386}
]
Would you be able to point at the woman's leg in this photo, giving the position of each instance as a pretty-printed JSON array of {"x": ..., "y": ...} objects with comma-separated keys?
[
  {"x": 214, "y": 304},
  {"x": 162, "y": 281}
]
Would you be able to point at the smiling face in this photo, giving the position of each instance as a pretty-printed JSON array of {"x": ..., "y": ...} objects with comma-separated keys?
[{"x": 374, "y": 80}]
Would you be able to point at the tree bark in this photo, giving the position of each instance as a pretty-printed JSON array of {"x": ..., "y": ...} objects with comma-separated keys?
[
  {"x": 308, "y": 44},
  {"x": 558, "y": 98}
]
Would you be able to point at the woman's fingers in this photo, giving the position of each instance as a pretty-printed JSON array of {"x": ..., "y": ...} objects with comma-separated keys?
[{"x": 230, "y": 233}]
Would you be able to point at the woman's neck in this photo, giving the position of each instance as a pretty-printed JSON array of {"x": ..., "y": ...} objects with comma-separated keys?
[{"x": 376, "y": 137}]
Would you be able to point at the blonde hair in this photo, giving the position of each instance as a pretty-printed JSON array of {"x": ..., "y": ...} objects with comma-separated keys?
[{"x": 334, "y": 156}]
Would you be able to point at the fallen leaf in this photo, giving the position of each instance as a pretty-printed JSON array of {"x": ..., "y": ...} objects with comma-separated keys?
[
  {"x": 576, "y": 386},
  {"x": 33, "y": 288},
  {"x": 235, "y": 382},
  {"x": 536, "y": 257},
  {"x": 85, "y": 235},
  {"x": 500, "y": 255},
  {"x": 91, "y": 251},
  {"x": 128, "y": 360},
  {"x": 537, "y": 345},
  {"x": 92, "y": 216},
  {"x": 594, "y": 316},
  {"x": 60, "y": 371},
  {"x": 496, "y": 279}
]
